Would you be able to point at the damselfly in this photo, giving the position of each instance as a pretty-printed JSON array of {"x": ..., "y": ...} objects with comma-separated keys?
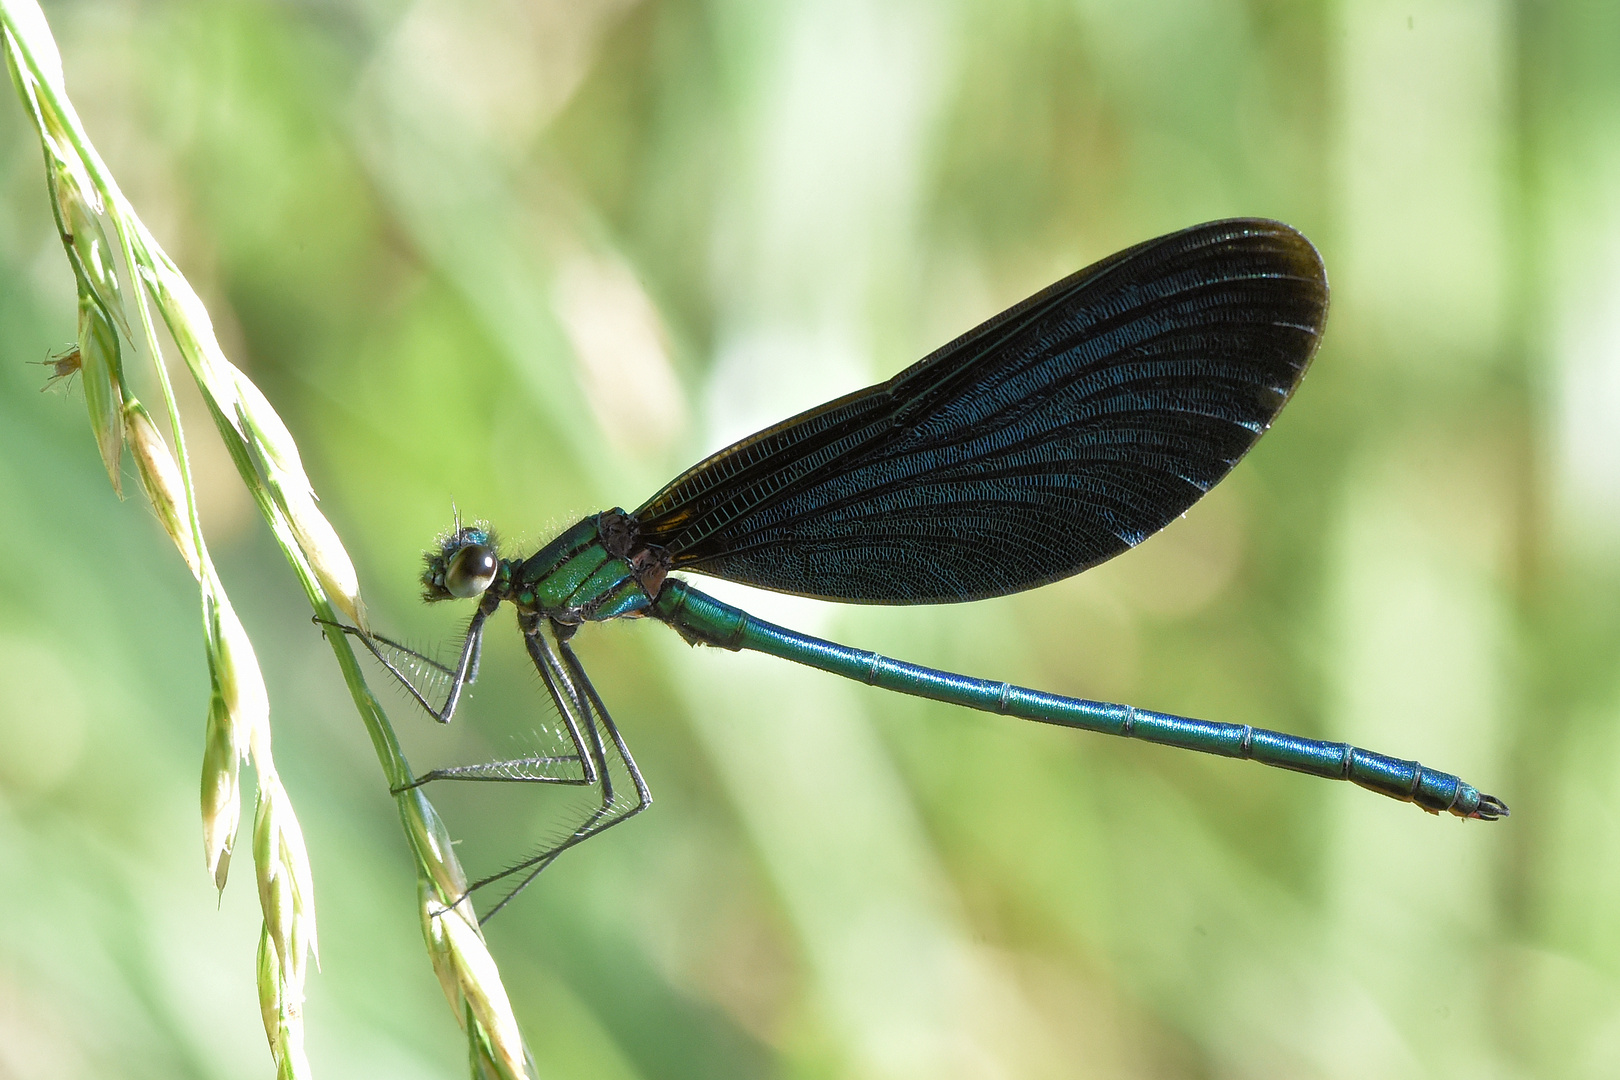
[{"x": 1052, "y": 437}]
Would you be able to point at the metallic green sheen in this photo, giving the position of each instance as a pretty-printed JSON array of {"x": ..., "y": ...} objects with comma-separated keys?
[
  {"x": 576, "y": 579},
  {"x": 703, "y": 620}
]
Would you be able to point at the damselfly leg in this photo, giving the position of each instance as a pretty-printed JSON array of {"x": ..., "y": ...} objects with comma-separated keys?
[
  {"x": 426, "y": 679},
  {"x": 599, "y": 749},
  {"x": 582, "y": 709}
]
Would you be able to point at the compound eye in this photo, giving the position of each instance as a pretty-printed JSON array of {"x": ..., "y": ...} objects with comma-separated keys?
[{"x": 470, "y": 571}]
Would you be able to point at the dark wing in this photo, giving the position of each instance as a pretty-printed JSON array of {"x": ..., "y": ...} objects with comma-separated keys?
[{"x": 1052, "y": 437}]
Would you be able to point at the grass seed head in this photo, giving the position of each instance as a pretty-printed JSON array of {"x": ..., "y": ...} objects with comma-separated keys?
[
  {"x": 283, "y": 1018},
  {"x": 100, "y": 364},
  {"x": 238, "y": 711},
  {"x": 160, "y": 476},
  {"x": 86, "y": 238},
  {"x": 286, "y": 886},
  {"x": 221, "y": 791},
  {"x": 463, "y": 961}
]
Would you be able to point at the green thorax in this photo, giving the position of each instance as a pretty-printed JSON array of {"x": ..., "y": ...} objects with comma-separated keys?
[{"x": 592, "y": 572}]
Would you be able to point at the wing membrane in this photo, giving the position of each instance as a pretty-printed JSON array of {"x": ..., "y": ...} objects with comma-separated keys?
[{"x": 1044, "y": 441}]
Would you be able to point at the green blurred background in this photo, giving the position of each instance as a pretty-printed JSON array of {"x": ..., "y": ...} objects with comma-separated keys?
[{"x": 534, "y": 258}]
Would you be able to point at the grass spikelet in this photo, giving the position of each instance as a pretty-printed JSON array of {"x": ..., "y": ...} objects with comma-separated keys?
[
  {"x": 103, "y": 381},
  {"x": 468, "y": 975},
  {"x": 283, "y": 1020},
  {"x": 160, "y": 478},
  {"x": 221, "y": 789},
  {"x": 238, "y": 711},
  {"x": 287, "y": 898},
  {"x": 462, "y": 961}
]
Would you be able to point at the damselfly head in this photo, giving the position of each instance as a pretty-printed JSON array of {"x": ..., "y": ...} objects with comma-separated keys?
[{"x": 464, "y": 565}]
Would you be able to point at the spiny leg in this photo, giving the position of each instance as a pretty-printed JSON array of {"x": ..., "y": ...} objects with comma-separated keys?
[
  {"x": 588, "y": 764},
  {"x": 397, "y": 646},
  {"x": 568, "y": 682},
  {"x": 531, "y": 768},
  {"x": 577, "y": 702},
  {"x": 461, "y": 676}
]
